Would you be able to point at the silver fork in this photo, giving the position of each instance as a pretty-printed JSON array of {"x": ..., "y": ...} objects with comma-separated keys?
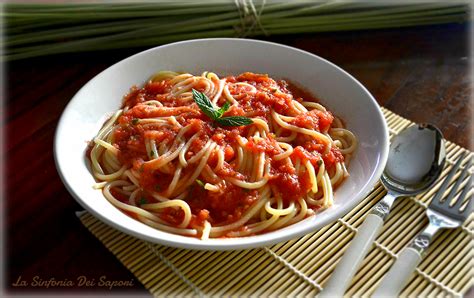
[{"x": 441, "y": 216}]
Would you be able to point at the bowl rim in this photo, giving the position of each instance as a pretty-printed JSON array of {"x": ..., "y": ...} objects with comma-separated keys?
[{"x": 238, "y": 243}]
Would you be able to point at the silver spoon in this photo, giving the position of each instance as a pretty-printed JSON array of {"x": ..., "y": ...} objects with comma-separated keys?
[{"x": 416, "y": 159}]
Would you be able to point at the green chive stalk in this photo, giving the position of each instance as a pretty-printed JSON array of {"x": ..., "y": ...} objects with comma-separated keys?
[{"x": 33, "y": 30}]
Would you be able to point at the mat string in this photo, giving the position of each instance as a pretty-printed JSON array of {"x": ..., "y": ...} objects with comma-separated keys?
[
  {"x": 249, "y": 18},
  {"x": 293, "y": 269},
  {"x": 376, "y": 243},
  {"x": 175, "y": 270},
  {"x": 437, "y": 283}
]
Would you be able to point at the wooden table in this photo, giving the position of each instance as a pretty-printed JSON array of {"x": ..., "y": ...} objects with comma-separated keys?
[{"x": 420, "y": 73}]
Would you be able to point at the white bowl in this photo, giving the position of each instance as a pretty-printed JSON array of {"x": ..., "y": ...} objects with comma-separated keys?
[{"x": 339, "y": 92}]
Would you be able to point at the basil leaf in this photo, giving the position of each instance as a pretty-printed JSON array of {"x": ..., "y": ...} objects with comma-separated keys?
[
  {"x": 234, "y": 121},
  {"x": 205, "y": 104},
  {"x": 223, "y": 109}
]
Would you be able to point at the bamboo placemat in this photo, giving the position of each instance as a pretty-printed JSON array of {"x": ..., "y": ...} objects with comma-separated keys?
[{"x": 301, "y": 267}]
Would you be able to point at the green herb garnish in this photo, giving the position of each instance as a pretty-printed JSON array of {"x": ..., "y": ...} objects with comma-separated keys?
[
  {"x": 206, "y": 106},
  {"x": 320, "y": 162},
  {"x": 143, "y": 201},
  {"x": 135, "y": 121},
  {"x": 200, "y": 182},
  {"x": 234, "y": 121},
  {"x": 223, "y": 109}
]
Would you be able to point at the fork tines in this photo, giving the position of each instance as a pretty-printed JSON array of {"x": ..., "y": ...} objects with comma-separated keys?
[{"x": 444, "y": 205}]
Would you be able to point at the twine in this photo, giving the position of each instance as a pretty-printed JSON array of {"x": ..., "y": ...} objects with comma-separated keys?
[
  {"x": 249, "y": 18},
  {"x": 376, "y": 243},
  {"x": 293, "y": 269},
  {"x": 437, "y": 283},
  {"x": 175, "y": 270}
]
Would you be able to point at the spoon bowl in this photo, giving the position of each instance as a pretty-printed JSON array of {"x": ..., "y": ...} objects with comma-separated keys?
[{"x": 416, "y": 159}]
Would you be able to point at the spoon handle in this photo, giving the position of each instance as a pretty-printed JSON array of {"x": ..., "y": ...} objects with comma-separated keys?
[{"x": 360, "y": 246}]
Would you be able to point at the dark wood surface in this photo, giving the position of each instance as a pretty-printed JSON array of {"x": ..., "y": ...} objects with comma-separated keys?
[{"x": 420, "y": 73}]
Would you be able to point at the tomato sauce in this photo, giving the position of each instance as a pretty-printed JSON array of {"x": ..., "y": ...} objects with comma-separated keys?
[
  {"x": 223, "y": 207},
  {"x": 257, "y": 100}
]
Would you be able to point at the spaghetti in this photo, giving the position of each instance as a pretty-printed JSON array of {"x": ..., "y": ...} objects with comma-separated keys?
[{"x": 164, "y": 161}]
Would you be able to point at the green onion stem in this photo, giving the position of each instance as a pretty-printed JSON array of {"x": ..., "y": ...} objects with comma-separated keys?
[
  {"x": 84, "y": 45},
  {"x": 79, "y": 8},
  {"x": 33, "y": 30},
  {"x": 151, "y": 27},
  {"x": 203, "y": 22},
  {"x": 337, "y": 19}
]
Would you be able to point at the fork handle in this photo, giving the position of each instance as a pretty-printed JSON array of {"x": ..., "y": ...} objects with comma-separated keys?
[
  {"x": 394, "y": 281},
  {"x": 399, "y": 274}
]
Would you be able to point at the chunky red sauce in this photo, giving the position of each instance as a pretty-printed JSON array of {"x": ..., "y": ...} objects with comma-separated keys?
[{"x": 229, "y": 205}]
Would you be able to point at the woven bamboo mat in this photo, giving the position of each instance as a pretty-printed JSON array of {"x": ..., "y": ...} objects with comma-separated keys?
[{"x": 301, "y": 267}]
